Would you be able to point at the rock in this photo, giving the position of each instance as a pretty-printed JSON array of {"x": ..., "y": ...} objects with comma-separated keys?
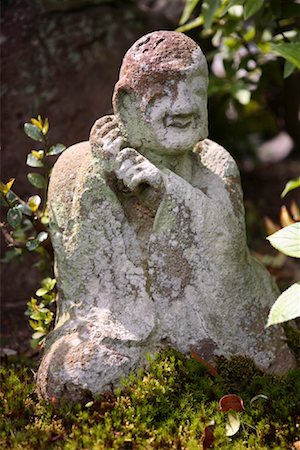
[{"x": 147, "y": 223}]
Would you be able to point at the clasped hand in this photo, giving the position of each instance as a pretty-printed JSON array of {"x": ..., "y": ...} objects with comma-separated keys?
[{"x": 128, "y": 165}]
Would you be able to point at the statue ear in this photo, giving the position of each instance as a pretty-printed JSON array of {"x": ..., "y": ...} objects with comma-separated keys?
[
  {"x": 124, "y": 102},
  {"x": 126, "y": 109}
]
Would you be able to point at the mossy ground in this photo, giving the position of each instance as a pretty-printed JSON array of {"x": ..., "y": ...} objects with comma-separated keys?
[{"x": 167, "y": 406}]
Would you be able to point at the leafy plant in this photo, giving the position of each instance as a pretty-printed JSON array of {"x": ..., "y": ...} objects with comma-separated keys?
[
  {"x": 287, "y": 241},
  {"x": 26, "y": 229},
  {"x": 250, "y": 45},
  {"x": 245, "y": 30},
  {"x": 40, "y": 313}
]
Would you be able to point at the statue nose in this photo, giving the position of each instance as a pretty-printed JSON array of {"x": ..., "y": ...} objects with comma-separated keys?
[{"x": 185, "y": 103}]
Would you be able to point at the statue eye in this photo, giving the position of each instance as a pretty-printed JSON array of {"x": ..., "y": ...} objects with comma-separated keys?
[{"x": 157, "y": 97}]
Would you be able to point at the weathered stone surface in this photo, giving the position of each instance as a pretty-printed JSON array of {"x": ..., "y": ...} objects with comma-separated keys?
[
  {"x": 62, "y": 65},
  {"x": 147, "y": 223}
]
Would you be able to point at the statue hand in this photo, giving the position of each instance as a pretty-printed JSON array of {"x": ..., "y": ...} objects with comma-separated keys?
[
  {"x": 135, "y": 170},
  {"x": 107, "y": 136}
]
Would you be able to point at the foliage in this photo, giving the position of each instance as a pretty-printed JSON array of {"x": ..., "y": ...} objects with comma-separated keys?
[
  {"x": 40, "y": 314},
  {"x": 287, "y": 241},
  {"x": 168, "y": 406},
  {"x": 249, "y": 25},
  {"x": 247, "y": 43},
  {"x": 26, "y": 227}
]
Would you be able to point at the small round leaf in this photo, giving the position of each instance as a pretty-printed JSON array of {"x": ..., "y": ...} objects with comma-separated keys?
[
  {"x": 56, "y": 149},
  {"x": 34, "y": 202},
  {"x": 42, "y": 236},
  {"x": 14, "y": 217},
  {"x": 42, "y": 291},
  {"x": 33, "y": 132},
  {"x": 36, "y": 180},
  {"x": 32, "y": 161},
  {"x": 32, "y": 245},
  {"x": 24, "y": 208}
]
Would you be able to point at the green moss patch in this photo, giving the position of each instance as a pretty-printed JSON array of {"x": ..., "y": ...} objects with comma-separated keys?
[{"x": 166, "y": 406}]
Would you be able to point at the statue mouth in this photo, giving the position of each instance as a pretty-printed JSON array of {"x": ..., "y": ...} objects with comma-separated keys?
[{"x": 179, "y": 121}]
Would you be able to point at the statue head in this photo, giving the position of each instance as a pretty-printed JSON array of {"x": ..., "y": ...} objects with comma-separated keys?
[{"x": 160, "y": 100}]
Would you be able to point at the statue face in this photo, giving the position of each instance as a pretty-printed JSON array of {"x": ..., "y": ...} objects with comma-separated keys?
[
  {"x": 176, "y": 119},
  {"x": 173, "y": 120}
]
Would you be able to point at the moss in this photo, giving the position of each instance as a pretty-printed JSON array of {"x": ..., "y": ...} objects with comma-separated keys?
[{"x": 166, "y": 406}]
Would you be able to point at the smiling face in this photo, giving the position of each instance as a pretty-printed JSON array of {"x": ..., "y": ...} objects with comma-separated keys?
[
  {"x": 160, "y": 101},
  {"x": 176, "y": 119},
  {"x": 172, "y": 121}
]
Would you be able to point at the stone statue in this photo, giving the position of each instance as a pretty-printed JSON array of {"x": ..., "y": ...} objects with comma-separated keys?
[{"x": 147, "y": 223}]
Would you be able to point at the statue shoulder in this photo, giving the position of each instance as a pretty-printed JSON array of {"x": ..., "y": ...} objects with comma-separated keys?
[
  {"x": 69, "y": 170},
  {"x": 217, "y": 159}
]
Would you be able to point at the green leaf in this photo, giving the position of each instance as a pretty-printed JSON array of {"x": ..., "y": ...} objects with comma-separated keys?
[
  {"x": 229, "y": 5},
  {"x": 209, "y": 9},
  {"x": 290, "y": 185},
  {"x": 36, "y": 315},
  {"x": 25, "y": 209},
  {"x": 56, "y": 149},
  {"x": 14, "y": 217},
  {"x": 42, "y": 291},
  {"x": 12, "y": 198},
  {"x": 42, "y": 236},
  {"x": 32, "y": 161},
  {"x": 32, "y": 244},
  {"x": 3, "y": 202},
  {"x": 34, "y": 202},
  {"x": 48, "y": 283},
  {"x": 287, "y": 240},
  {"x": 38, "y": 335},
  {"x": 286, "y": 307},
  {"x": 33, "y": 132},
  {"x": 288, "y": 50},
  {"x": 36, "y": 180},
  {"x": 190, "y": 25},
  {"x": 188, "y": 9},
  {"x": 233, "y": 424},
  {"x": 288, "y": 69},
  {"x": 251, "y": 7}
]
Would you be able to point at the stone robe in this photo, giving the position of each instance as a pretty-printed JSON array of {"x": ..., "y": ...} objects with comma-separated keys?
[{"x": 133, "y": 278}]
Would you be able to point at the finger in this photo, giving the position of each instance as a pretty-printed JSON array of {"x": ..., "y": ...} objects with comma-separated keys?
[
  {"x": 111, "y": 135},
  {"x": 113, "y": 147},
  {"x": 96, "y": 134},
  {"x": 103, "y": 120},
  {"x": 131, "y": 155},
  {"x": 107, "y": 127},
  {"x": 131, "y": 174}
]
